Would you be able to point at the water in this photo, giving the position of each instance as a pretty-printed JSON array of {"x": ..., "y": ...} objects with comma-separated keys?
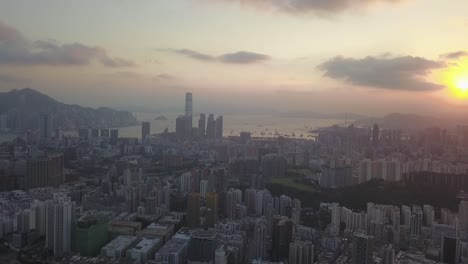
[{"x": 258, "y": 125}]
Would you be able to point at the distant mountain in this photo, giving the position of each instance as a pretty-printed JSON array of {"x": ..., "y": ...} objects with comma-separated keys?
[
  {"x": 23, "y": 108},
  {"x": 408, "y": 121}
]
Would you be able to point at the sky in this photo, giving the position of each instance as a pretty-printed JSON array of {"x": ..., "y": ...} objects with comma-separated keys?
[{"x": 371, "y": 57}]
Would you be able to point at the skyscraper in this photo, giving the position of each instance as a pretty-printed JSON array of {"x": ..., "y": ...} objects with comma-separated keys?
[
  {"x": 260, "y": 239},
  {"x": 193, "y": 210},
  {"x": 188, "y": 105},
  {"x": 202, "y": 125},
  {"x": 181, "y": 123},
  {"x": 145, "y": 130},
  {"x": 219, "y": 127},
  {"x": 362, "y": 249},
  {"x": 188, "y": 114},
  {"x": 45, "y": 126},
  {"x": 211, "y": 127},
  {"x": 301, "y": 252},
  {"x": 58, "y": 227},
  {"x": 282, "y": 236},
  {"x": 212, "y": 204}
]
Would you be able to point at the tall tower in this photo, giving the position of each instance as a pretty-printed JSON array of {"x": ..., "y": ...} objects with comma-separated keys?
[
  {"x": 188, "y": 114},
  {"x": 211, "y": 127},
  {"x": 188, "y": 105},
  {"x": 219, "y": 127},
  {"x": 202, "y": 125}
]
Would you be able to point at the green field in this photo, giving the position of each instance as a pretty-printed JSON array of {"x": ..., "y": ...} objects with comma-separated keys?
[{"x": 289, "y": 182}]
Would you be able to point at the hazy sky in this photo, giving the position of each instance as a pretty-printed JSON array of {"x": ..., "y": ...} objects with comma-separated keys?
[{"x": 364, "y": 56}]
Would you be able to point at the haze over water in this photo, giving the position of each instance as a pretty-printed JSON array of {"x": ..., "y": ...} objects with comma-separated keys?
[{"x": 234, "y": 124}]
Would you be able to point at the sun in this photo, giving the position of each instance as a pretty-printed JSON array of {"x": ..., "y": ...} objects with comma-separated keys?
[
  {"x": 460, "y": 87},
  {"x": 462, "y": 84}
]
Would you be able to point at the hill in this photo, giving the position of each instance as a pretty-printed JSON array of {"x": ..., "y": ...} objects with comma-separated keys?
[
  {"x": 407, "y": 121},
  {"x": 23, "y": 108}
]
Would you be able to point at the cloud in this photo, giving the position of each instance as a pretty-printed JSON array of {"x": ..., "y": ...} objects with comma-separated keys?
[
  {"x": 165, "y": 76},
  {"x": 243, "y": 57},
  {"x": 311, "y": 6},
  {"x": 394, "y": 73},
  {"x": 240, "y": 57},
  {"x": 195, "y": 55},
  {"x": 15, "y": 49},
  {"x": 454, "y": 55}
]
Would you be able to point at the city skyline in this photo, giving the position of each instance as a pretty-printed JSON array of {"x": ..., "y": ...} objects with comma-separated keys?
[
  {"x": 234, "y": 132},
  {"x": 295, "y": 56}
]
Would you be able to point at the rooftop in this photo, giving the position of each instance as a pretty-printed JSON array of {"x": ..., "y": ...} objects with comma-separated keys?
[
  {"x": 174, "y": 245},
  {"x": 120, "y": 242}
]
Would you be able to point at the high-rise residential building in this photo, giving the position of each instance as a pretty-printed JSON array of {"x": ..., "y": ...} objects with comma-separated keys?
[
  {"x": 416, "y": 221},
  {"x": 406, "y": 215},
  {"x": 44, "y": 171},
  {"x": 363, "y": 247},
  {"x": 429, "y": 214},
  {"x": 203, "y": 188},
  {"x": 145, "y": 130},
  {"x": 45, "y": 126},
  {"x": 219, "y": 127},
  {"x": 233, "y": 198},
  {"x": 387, "y": 254},
  {"x": 212, "y": 204},
  {"x": 58, "y": 226},
  {"x": 193, "y": 210},
  {"x": 296, "y": 211},
  {"x": 336, "y": 215},
  {"x": 211, "y": 127},
  {"x": 301, "y": 252},
  {"x": 463, "y": 219},
  {"x": 375, "y": 135},
  {"x": 260, "y": 241},
  {"x": 282, "y": 236},
  {"x": 202, "y": 125}
]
